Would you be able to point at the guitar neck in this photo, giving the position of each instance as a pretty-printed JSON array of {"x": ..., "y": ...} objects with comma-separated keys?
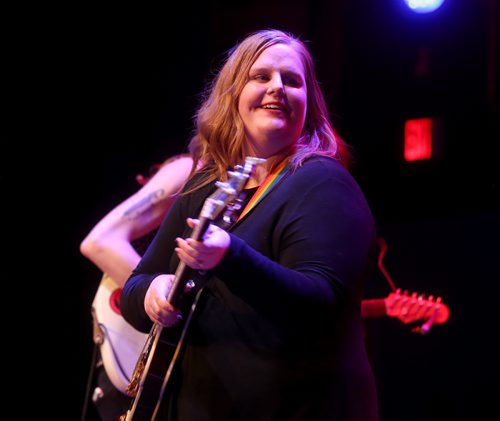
[
  {"x": 373, "y": 308},
  {"x": 181, "y": 278}
]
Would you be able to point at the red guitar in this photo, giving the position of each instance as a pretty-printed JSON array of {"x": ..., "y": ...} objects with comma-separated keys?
[{"x": 408, "y": 308}]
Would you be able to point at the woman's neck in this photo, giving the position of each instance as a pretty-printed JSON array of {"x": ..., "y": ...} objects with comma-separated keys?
[{"x": 263, "y": 170}]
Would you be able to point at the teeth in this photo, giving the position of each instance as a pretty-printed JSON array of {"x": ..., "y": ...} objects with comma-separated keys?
[{"x": 272, "y": 107}]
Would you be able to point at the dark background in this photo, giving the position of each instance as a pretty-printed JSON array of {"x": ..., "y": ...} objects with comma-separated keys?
[{"x": 95, "y": 95}]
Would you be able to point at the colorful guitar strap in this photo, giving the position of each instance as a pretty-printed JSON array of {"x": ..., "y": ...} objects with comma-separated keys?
[{"x": 267, "y": 185}]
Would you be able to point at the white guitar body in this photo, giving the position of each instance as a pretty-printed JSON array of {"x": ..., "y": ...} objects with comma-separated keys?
[{"x": 122, "y": 344}]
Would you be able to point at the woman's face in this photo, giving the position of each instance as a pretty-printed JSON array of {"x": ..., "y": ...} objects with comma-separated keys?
[{"x": 273, "y": 103}]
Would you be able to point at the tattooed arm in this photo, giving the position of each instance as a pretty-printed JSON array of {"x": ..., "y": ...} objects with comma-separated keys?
[{"x": 109, "y": 243}]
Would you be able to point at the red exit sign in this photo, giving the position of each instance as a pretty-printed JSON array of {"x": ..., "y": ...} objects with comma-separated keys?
[{"x": 418, "y": 139}]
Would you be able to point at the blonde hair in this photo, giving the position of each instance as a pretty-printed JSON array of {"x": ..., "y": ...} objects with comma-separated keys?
[{"x": 219, "y": 139}]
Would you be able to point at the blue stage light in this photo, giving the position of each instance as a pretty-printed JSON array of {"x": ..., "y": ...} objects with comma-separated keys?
[{"x": 424, "y": 6}]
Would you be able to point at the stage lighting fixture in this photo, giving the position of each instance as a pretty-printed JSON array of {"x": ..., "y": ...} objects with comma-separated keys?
[{"x": 424, "y": 6}]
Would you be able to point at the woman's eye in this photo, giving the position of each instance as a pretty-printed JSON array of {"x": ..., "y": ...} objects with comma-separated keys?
[
  {"x": 291, "y": 81},
  {"x": 261, "y": 77}
]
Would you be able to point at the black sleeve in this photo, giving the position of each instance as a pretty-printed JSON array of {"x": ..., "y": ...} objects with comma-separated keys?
[{"x": 324, "y": 246}]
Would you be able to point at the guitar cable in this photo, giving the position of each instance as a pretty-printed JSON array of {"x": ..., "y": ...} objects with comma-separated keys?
[
  {"x": 383, "y": 250},
  {"x": 100, "y": 334},
  {"x": 115, "y": 354},
  {"x": 89, "y": 382},
  {"x": 98, "y": 339}
]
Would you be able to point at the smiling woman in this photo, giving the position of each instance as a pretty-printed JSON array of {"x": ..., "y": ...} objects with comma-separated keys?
[
  {"x": 272, "y": 327},
  {"x": 274, "y": 101}
]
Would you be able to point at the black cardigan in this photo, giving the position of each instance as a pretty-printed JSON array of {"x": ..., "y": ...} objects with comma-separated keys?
[{"x": 277, "y": 334}]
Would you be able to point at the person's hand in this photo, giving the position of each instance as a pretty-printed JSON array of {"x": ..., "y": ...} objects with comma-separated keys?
[
  {"x": 156, "y": 305},
  {"x": 206, "y": 254}
]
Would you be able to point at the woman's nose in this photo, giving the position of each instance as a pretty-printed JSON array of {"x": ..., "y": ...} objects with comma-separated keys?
[{"x": 276, "y": 85}]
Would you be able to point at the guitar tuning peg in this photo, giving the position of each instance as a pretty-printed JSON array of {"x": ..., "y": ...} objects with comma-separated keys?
[
  {"x": 396, "y": 295},
  {"x": 428, "y": 324},
  {"x": 422, "y": 329}
]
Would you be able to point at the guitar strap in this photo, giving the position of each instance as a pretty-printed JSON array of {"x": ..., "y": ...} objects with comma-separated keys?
[{"x": 267, "y": 185}]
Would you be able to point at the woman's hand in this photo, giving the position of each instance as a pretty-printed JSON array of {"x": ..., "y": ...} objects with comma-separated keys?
[
  {"x": 206, "y": 254},
  {"x": 156, "y": 305}
]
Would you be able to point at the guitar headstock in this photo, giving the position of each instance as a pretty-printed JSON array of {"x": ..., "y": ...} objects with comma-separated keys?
[
  {"x": 228, "y": 191},
  {"x": 413, "y": 307}
]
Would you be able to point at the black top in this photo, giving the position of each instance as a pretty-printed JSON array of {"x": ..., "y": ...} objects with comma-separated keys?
[{"x": 277, "y": 334}]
